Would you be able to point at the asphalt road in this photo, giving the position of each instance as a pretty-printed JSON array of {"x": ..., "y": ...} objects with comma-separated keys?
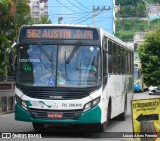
[{"x": 8, "y": 124}]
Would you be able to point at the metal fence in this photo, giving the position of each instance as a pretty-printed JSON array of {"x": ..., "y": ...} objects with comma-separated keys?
[{"x": 7, "y": 96}]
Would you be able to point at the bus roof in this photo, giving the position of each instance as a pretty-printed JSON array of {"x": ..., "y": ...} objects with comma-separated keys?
[
  {"x": 60, "y": 25},
  {"x": 113, "y": 38}
]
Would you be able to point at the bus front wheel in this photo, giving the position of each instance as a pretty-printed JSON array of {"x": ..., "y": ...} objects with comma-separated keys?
[
  {"x": 122, "y": 116},
  {"x": 38, "y": 126},
  {"x": 101, "y": 127}
]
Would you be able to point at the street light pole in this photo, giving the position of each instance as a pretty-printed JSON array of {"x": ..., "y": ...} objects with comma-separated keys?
[{"x": 59, "y": 20}]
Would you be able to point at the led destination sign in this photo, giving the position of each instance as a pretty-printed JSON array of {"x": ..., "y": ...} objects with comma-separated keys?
[{"x": 59, "y": 33}]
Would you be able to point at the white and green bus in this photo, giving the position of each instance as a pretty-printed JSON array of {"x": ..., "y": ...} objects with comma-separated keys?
[{"x": 68, "y": 74}]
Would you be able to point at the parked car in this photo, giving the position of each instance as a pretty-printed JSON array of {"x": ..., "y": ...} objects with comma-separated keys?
[{"x": 154, "y": 90}]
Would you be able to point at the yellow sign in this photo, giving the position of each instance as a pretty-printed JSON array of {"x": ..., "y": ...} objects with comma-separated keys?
[{"x": 146, "y": 110}]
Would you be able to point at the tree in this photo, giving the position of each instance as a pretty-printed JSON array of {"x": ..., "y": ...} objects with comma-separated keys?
[
  {"x": 149, "y": 54},
  {"x": 13, "y": 13},
  {"x": 126, "y": 28},
  {"x": 41, "y": 20}
]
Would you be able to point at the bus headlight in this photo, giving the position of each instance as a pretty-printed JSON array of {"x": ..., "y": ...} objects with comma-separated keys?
[
  {"x": 87, "y": 106},
  {"x": 24, "y": 105},
  {"x": 21, "y": 102},
  {"x": 96, "y": 101},
  {"x": 91, "y": 104}
]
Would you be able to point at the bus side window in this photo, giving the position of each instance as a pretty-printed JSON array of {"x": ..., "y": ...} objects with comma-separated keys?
[
  {"x": 132, "y": 60},
  {"x": 126, "y": 61},
  {"x": 114, "y": 58},
  {"x": 129, "y": 65},
  {"x": 104, "y": 56},
  {"x": 122, "y": 61},
  {"x": 104, "y": 63},
  {"x": 110, "y": 57},
  {"x": 118, "y": 60}
]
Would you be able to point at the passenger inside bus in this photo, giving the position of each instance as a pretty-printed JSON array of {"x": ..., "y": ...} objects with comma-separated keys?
[{"x": 89, "y": 66}]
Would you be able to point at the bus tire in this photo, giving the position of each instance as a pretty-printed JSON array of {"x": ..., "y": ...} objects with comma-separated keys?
[
  {"x": 109, "y": 112},
  {"x": 38, "y": 126},
  {"x": 101, "y": 128},
  {"x": 122, "y": 116}
]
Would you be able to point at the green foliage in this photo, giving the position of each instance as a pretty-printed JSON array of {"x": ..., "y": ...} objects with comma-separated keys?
[
  {"x": 155, "y": 24},
  {"x": 42, "y": 20},
  {"x": 125, "y": 35},
  {"x": 126, "y": 28},
  {"x": 132, "y": 18},
  {"x": 6, "y": 29},
  {"x": 131, "y": 8},
  {"x": 3, "y": 47},
  {"x": 13, "y": 14},
  {"x": 149, "y": 54},
  {"x": 129, "y": 19}
]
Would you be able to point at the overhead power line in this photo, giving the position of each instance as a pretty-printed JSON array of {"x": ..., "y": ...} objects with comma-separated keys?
[
  {"x": 75, "y": 5},
  {"x": 78, "y": 13},
  {"x": 94, "y": 15},
  {"x": 82, "y": 4},
  {"x": 66, "y": 6},
  {"x": 81, "y": 18}
]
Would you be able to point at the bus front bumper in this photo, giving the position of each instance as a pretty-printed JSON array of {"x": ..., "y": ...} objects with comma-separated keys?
[{"x": 91, "y": 116}]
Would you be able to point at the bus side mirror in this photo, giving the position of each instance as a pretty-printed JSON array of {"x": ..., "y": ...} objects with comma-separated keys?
[{"x": 12, "y": 59}]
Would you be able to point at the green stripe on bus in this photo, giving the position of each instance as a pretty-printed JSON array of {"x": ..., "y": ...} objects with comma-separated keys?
[{"x": 91, "y": 116}]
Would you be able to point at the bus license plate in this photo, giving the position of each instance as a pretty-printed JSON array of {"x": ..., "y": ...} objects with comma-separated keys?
[{"x": 55, "y": 115}]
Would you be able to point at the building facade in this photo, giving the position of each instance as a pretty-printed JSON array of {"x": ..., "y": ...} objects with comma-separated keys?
[
  {"x": 153, "y": 11},
  {"x": 38, "y": 8}
]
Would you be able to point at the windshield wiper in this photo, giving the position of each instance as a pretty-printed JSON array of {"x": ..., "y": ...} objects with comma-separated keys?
[
  {"x": 73, "y": 52},
  {"x": 45, "y": 53}
]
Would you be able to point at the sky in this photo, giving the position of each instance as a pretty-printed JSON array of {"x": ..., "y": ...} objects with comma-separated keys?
[{"x": 80, "y": 12}]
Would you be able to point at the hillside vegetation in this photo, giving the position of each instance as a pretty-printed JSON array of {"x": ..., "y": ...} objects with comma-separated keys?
[{"x": 132, "y": 17}]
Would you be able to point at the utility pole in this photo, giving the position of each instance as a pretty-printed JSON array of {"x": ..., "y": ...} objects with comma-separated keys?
[
  {"x": 59, "y": 20},
  {"x": 94, "y": 15},
  {"x": 95, "y": 12}
]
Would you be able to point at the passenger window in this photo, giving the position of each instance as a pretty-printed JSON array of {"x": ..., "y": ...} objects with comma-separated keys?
[
  {"x": 122, "y": 61},
  {"x": 110, "y": 57},
  {"x": 114, "y": 58},
  {"x": 118, "y": 60}
]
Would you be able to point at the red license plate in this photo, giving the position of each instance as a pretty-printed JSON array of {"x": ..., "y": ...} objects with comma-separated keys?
[{"x": 55, "y": 115}]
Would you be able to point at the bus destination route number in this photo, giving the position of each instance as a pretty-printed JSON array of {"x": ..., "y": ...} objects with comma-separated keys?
[{"x": 60, "y": 33}]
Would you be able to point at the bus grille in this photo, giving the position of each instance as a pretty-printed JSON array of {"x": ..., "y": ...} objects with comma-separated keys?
[
  {"x": 52, "y": 95},
  {"x": 43, "y": 114}
]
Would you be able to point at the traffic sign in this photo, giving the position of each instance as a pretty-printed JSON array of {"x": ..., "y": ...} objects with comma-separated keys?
[{"x": 146, "y": 110}]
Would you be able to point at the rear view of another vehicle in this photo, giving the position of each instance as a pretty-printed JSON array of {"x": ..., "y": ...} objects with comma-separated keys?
[
  {"x": 139, "y": 84},
  {"x": 154, "y": 90},
  {"x": 137, "y": 80}
]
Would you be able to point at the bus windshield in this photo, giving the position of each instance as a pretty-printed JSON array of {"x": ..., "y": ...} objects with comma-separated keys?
[{"x": 45, "y": 66}]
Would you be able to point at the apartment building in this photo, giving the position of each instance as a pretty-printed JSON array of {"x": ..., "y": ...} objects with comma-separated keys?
[
  {"x": 38, "y": 8},
  {"x": 153, "y": 11}
]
